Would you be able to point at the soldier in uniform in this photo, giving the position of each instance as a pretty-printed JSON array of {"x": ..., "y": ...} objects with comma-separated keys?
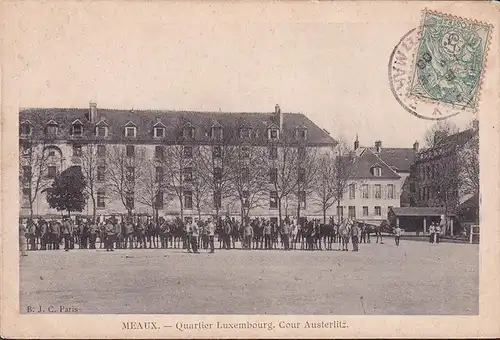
[
  {"x": 67, "y": 231},
  {"x": 93, "y": 229},
  {"x": 128, "y": 234},
  {"x": 354, "y": 236},
  {"x": 56, "y": 235},
  {"x": 188, "y": 232},
  {"x": 22, "y": 238},
  {"x": 211, "y": 234},
  {"x": 227, "y": 233},
  {"x": 141, "y": 239},
  {"x": 110, "y": 233},
  {"x": 31, "y": 234},
  {"x": 194, "y": 237}
]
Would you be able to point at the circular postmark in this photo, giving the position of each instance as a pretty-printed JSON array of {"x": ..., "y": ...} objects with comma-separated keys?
[{"x": 402, "y": 67}]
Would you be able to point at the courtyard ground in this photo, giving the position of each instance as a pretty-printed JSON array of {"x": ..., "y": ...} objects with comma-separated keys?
[{"x": 415, "y": 278}]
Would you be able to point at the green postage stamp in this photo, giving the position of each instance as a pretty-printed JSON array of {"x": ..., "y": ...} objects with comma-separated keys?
[{"x": 449, "y": 60}]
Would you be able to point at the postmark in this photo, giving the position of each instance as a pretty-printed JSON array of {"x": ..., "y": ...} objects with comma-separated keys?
[{"x": 435, "y": 71}]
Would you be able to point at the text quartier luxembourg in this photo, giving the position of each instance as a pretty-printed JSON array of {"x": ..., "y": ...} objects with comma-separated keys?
[{"x": 200, "y": 325}]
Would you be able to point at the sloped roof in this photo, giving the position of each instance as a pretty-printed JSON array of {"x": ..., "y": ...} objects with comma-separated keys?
[
  {"x": 364, "y": 162},
  {"x": 471, "y": 203},
  {"x": 448, "y": 143},
  {"x": 420, "y": 211},
  {"x": 400, "y": 158},
  {"x": 173, "y": 120}
]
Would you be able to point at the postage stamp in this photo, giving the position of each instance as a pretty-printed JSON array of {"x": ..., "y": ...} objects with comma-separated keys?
[{"x": 449, "y": 61}]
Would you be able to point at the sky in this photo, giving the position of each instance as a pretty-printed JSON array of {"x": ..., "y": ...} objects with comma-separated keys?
[{"x": 153, "y": 56}]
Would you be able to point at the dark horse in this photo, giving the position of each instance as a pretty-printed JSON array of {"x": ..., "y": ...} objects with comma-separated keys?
[{"x": 377, "y": 230}]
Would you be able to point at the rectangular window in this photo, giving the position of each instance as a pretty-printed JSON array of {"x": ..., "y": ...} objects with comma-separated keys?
[
  {"x": 101, "y": 131},
  {"x": 301, "y": 175},
  {"x": 273, "y": 200},
  {"x": 245, "y": 175},
  {"x": 273, "y": 152},
  {"x": 217, "y": 133},
  {"x": 188, "y": 152},
  {"x": 340, "y": 211},
  {"x": 244, "y": 133},
  {"x": 377, "y": 171},
  {"x": 52, "y": 130},
  {"x": 188, "y": 132},
  {"x": 159, "y": 132},
  {"x": 26, "y": 197},
  {"x": 352, "y": 211},
  {"x": 130, "y": 131},
  {"x": 217, "y": 200},
  {"x": 352, "y": 191},
  {"x": 77, "y": 150},
  {"x": 25, "y": 129},
  {"x": 101, "y": 170},
  {"x": 245, "y": 152},
  {"x": 378, "y": 191},
  {"x": 273, "y": 175},
  {"x": 246, "y": 202},
  {"x": 378, "y": 211},
  {"x": 130, "y": 174},
  {"x": 217, "y": 152},
  {"x": 365, "y": 211},
  {"x": 188, "y": 199},
  {"x": 390, "y": 191},
  {"x": 51, "y": 171},
  {"x": 101, "y": 151},
  {"x": 159, "y": 200},
  {"x": 218, "y": 174},
  {"x": 130, "y": 150},
  {"x": 26, "y": 173},
  {"x": 159, "y": 174},
  {"x": 77, "y": 130},
  {"x": 365, "y": 191},
  {"x": 302, "y": 199},
  {"x": 188, "y": 174},
  {"x": 159, "y": 153},
  {"x": 273, "y": 134},
  {"x": 130, "y": 200},
  {"x": 100, "y": 199}
]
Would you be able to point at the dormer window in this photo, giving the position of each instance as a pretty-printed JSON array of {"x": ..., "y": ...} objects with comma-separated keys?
[
  {"x": 188, "y": 132},
  {"x": 26, "y": 128},
  {"x": 273, "y": 134},
  {"x": 301, "y": 133},
  {"x": 101, "y": 129},
  {"x": 159, "y": 130},
  {"x": 376, "y": 170},
  {"x": 77, "y": 128},
  {"x": 52, "y": 128},
  {"x": 245, "y": 133},
  {"x": 216, "y": 132},
  {"x": 130, "y": 130}
]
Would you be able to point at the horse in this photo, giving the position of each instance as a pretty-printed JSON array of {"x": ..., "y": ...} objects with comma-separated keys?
[
  {"x": 377, "y": 230},
  {"x": 344, "y": 232}
]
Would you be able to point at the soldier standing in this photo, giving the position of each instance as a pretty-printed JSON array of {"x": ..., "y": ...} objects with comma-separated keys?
[
  {"x": 22, "y": 238},
  {"x": 211, "y": 234},
  {"x": 67, "y": 231},
  {"x": 188, "y": 230},
  {"x": 56, "y": 234},
  {"x": 354, "y": 236},
  {"x": 31, "y": 234},
  {"x": 248, "y": 236},
  {"x": 128, "y": 234},
  {"x": 92, "y": 233},
  {"x": 194, "y": 237},
  {"x": 109, "y": 229}
]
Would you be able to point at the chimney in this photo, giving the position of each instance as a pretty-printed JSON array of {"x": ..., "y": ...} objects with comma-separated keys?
[
  {"x": 415, "y": 146},
  {"x": 378, "y": 145},
  {"x": 279, "y": 115},
  {"x": 92, "y": 112},
  {"x": 356, "y": 143}
]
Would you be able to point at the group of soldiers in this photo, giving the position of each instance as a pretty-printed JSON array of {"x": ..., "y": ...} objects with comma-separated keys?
[{"x": 133, "y": 233}]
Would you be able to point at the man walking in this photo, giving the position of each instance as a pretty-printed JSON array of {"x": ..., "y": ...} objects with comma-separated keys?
[
  {"x": 211, "y": 234},
  {"x": 397, "y": 234},
  {"x": 355, "y": 237}
]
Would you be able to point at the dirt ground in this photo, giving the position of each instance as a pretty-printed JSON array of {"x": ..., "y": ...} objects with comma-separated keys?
[{"x": 415, "y": 278}]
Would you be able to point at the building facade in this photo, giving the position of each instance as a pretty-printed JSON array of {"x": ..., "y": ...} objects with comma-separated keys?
[{"x": 172, "y": 162}]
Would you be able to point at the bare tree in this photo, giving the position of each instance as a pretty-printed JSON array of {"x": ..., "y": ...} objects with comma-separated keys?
[
  {"x": 34, "y": 162},
  {"x": 325, "y": 193},
  {"x": 308, "y": 167},
  {"x": 441, "y": 129},
  {"x": 123, "y": 172},
  {"x": 251, "y": 178},
  {"x": 178, "y": 171},
  {"x": 344, "y": 168},
  {"x": 90, "y": 161}
]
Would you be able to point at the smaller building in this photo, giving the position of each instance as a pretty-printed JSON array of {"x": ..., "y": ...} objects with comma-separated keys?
[{"x": 418, "y": 219}]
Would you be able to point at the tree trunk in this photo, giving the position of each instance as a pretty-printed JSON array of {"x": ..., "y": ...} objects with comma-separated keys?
[
  {"x": 324, "y": 213},
  {"x": 279, "y": 212},
  {"x": 93, "y": 206}
]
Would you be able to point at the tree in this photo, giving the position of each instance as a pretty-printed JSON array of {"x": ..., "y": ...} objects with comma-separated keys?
[
  {"x": 34, "y": 161},
  {"x": 251, "y": 178},
  {"x": 308, "y": 162},
  {"x": 343, "y": 169},
  {"x": 90, "y": 161},
  {"x": 325, "y": 193},
  {"x": 68, "y": 191},
  {"x": 441, "y": 129},
  {"x": 123, "y": 172},
  {"x": 177, "y": 169}
]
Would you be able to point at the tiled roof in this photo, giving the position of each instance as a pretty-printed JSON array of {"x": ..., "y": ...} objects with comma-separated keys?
[
  {"x": 400, "y": 158},
  {"x": 173, "y": 121},
  {"x": 419, "y": 211},
  {"x": 366, "y": 160}
]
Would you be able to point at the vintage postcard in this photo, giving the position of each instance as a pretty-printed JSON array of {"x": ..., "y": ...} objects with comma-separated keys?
[{"x": 249, "y": 170}]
